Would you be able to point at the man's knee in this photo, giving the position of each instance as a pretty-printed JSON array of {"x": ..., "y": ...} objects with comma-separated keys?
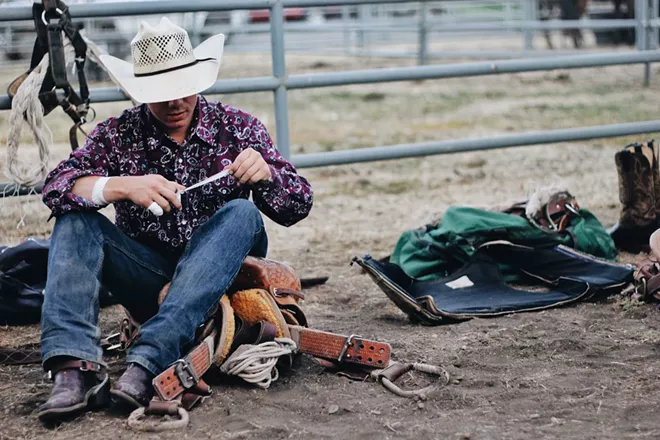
[
  {"x": 243, "y": 210},
  {"x": 80, "y": 224}
]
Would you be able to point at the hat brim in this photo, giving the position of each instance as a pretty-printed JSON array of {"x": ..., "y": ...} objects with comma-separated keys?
[{"x": 174, "y": 84}]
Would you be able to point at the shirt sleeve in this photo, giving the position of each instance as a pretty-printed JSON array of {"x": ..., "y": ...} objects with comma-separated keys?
[
  {"x": 93, "y": 159},
  {"x": 287, "y": 198}
]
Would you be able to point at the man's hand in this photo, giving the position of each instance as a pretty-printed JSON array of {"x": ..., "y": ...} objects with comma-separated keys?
[
  {"x": 144, "y": 190},
  {"x": 250, "y": 167}
]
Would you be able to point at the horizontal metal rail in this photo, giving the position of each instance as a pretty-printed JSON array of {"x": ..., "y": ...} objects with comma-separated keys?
[
  {"x": 263, "y": 84},
  {"x": 312, "y": 160},
  {"x": 280, "y": 82},
  {"x": 440, "y": 26},
  {"x": 462, "y": 145},
  {"x": 119, "y": 9},
  {"x": 469, "y": 69}
]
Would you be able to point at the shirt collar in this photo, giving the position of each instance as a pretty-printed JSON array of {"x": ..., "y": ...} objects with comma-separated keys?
[
  {"x": 202, "y": 123},
  {"x": 153, "y": 135}
]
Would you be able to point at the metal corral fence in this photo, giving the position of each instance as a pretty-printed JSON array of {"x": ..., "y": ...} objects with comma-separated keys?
[{"x": 279, "y": 83}]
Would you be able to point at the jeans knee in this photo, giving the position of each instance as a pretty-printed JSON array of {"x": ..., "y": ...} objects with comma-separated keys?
[
  {"x": 244, "y": 211},
  {"x": 76, "y": 225}
]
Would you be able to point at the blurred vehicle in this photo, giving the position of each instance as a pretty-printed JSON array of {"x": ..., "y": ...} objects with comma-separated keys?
[
  {"x": 290, "y": 14},
  {"x": 17, "y": 37},
  {"x": 330, "y": 12}
]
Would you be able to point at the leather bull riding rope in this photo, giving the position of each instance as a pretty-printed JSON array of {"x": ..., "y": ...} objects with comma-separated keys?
[{"x": 260, "y": 323}]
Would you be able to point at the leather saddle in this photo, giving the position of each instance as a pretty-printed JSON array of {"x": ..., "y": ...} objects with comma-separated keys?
[
  {"x": 552, "y": 213},
  {"x": 262, "y": 305},
  {"x": 262, "y": 301},
  {"x": 647, "y": 275}
]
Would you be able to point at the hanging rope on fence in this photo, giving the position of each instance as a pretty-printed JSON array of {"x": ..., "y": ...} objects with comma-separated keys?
[{"x": 26, "y": 107}]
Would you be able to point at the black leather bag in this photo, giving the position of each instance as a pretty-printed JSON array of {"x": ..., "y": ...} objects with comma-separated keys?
[
  {"x": 23, "y": 270},
  {"x": 478, "y": 289}
]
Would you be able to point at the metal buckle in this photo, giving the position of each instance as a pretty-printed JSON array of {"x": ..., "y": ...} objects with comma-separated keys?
[
  {"x": 347, "y": 343},
  {"x": 85, "y": 366},
  {"x": 91, "y": 366},
  {"x": 43, "y": 15},
  {"x": 109, "y": 340},
  {"x": 186, "y": 373},
  {"x": 572, "y": 208}
]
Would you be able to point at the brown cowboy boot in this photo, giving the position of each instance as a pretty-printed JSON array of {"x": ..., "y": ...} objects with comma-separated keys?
[
  {"x": 653, "y": 144},
  {"x": 637, "y": 194},
  {"x": 79, "y": 386},
  {"x": 134, "y": 388}
]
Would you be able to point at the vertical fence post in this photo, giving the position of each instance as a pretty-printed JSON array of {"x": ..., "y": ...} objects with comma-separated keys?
[
  {"x": 508, "y": 15},
  {"x": 529, "y": 15},
  {"x": 423, "y": 54},
  {"x": 641, "y": 34},
  {"x": 362, "y": 37},
  {"x": 655, "y": 12},
  {"x": 345, "y": 21},
  {"x": 279, "y": 72},
  {"x": 648, "y": 34},
  {"x": 195, "y": 36}
]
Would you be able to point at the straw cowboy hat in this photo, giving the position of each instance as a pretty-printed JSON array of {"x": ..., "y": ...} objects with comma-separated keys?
[{"x": 164, "y": 64}]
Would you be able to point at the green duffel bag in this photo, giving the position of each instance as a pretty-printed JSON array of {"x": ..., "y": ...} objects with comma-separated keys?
[{"x": 438, "y": 250}]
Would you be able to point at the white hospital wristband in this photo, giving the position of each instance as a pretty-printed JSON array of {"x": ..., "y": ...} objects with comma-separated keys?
[{"x": 97, "y": 192}]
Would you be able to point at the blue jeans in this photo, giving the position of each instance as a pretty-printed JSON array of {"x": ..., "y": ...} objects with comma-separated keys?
[{"x": 88, "y": 251}]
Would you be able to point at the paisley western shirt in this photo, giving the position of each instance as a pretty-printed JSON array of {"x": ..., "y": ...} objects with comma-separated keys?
[{"x": 134, "y": 145}]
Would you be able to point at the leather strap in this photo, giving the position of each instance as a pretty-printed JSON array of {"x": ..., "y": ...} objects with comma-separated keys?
[
  {"x": 652, "y": 286},
  {"x": 279, "y": 292},
  {"x": 262, "y": 331},
  {"x": 185, "y": 373},
  {"x": 312, "y": 281},
  {"x": 75, "y": 365},
  {"x": 339, "y": 348},
  {"x": 56, "y": 53}
]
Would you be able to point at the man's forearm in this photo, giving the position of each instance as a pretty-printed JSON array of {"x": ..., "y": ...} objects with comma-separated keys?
[{"x": 112, "y": 192}]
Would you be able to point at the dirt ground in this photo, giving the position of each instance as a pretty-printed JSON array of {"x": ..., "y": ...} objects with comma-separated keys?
[{"x": 588, "y": 371}]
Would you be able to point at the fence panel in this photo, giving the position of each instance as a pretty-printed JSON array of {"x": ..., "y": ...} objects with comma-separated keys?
[{"x": 646, "y": 25}]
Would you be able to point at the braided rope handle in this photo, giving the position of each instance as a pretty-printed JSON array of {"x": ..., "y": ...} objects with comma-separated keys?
[
  {"x": 396, "y": 370},
  {"x": 137, "y": 422}
]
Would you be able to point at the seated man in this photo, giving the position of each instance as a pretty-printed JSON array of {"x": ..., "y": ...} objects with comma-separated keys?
[{"x": 140, "y": 161}]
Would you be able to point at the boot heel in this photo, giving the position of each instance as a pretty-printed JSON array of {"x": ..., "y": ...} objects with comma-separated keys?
[{"x": 100, "y": 397}]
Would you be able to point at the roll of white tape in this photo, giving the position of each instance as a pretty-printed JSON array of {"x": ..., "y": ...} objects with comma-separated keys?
[{"x": 156, "y": 209}]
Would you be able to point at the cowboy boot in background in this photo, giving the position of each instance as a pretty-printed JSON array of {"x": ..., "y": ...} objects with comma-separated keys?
[
  {"x": 635, "y": 167},
  {"x": 653, "y": 145}
]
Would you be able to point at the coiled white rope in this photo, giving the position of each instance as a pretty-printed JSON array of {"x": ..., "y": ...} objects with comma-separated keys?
[
  {"x": 26, "y": 107},
  {"x": 256, "y": 363}
]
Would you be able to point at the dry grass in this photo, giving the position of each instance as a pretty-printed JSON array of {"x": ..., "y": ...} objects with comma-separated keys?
[
  {"x": 338, "y": 118},
  {"x": 582, "y": 369}
]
